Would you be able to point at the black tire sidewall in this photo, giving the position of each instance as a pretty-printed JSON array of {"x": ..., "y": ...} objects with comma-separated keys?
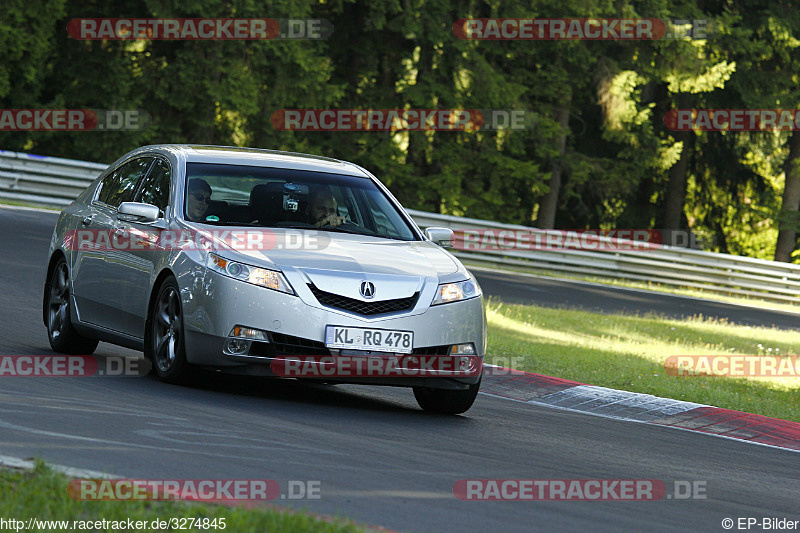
[
  {"x": 180, "y": 370},
  {"x": 69, "y": 341},
  {"x": 445, "y": 401}
]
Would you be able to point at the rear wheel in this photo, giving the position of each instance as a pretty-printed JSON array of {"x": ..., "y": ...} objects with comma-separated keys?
[
  {"x": 60, "y": 332},
  {"x": 164, "y": 339},
  {"x": 445, "y": 401}
]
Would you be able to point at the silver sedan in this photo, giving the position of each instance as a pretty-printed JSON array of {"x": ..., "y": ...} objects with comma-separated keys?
[{"x": 264, "y": 263}]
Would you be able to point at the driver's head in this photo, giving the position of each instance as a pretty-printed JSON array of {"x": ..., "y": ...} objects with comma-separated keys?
[
  {"x": 199, "y": 195},
  {"x": 321, "y": 205}
]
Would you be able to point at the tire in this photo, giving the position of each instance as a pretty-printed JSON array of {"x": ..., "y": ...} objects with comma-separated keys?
[
  {"x": 164, "y": 341},
  {"x": 445, "y": 401},
  {"x": 62, "y": 335}
]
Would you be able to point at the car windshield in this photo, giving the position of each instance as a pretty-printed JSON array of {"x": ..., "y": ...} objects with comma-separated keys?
[{"x": 225, "y": 195}]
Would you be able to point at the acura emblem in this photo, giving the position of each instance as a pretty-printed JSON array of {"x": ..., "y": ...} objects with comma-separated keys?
[{"x": 367, "y": 289}]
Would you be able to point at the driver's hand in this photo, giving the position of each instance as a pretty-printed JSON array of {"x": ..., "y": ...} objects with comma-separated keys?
[{"x": 330, "y": 220}]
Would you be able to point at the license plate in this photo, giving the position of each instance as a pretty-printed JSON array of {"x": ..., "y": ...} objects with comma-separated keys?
[{"x": 379, "y": 340}]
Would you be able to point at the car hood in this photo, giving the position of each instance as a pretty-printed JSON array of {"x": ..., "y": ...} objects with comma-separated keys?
[
  {"x": 362, "y": 256},
  {"x": 397, "y": 269}
]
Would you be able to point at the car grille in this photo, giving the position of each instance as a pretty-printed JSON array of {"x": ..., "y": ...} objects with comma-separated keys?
[
  {"x": 363, "y": 308},
  {"x": 281, "y": 344},
  {"x": 432, "y": 350}
]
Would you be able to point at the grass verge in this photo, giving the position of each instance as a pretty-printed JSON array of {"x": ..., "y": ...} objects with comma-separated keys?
[
  {"x": 628, "y": 353},
  {"x": 16, "y": 203},
  {"x": 41, "y": 493}
]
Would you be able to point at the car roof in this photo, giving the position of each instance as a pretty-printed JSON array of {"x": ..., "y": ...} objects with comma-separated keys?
[{"x": 197, "y": 153}]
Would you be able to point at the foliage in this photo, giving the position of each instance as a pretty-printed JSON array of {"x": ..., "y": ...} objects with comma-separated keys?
[{"x": 619, "y": 158}]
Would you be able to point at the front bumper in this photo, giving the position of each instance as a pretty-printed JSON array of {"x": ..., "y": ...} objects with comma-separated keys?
[{"x": 296, "y": 326}]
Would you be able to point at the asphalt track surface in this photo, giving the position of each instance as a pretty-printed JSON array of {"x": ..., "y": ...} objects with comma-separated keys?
[
  {"x": 549, "y": 292},
  {"x": 378, "y": 458}
]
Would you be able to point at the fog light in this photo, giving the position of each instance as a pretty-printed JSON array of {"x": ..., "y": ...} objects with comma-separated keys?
[
  {"x": 463, "y": 363},
  {"x": 237, "y": 346},
  {"x": 462, "y": 349}
]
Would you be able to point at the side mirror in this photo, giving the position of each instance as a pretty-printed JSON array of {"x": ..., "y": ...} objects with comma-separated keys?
[
  {"x": 441, "y": 236},
  {"x": 138, "y": 212}
]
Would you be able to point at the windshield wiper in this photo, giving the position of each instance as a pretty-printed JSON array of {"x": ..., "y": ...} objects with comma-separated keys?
[
  {"x": 303, "y": 225},
  {"x": 361, "y": 230},
  {"x": 228, "y": 223},
  {"x": 292, "y": 225}
]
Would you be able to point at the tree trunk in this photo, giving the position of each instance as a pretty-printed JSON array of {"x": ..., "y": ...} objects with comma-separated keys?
[
  {"x": 676, "y": 187},
  {"x": 549, "y": 204},
  {"x": 787, "y": 219}
]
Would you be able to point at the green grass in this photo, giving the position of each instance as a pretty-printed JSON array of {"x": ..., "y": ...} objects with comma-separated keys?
[
  {"x": 628, "y": 353},
  {"x": 5, "y": 201},
  {"x": 42, "y": 493}
]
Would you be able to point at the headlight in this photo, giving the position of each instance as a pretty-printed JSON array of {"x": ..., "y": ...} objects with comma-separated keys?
[
  {"x": 262, "y": 277},
  {"x": 454, "y": 292}
]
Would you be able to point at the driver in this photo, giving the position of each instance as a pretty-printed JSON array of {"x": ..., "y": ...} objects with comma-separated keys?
[
  {"x": 323, "y": 210},
  {"x": 198, "y": 197}
]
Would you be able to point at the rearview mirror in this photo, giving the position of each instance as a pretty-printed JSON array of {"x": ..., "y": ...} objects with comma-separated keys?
[
  {"x": 138, "y": 212},
  {"x": 441, "y": 236}
]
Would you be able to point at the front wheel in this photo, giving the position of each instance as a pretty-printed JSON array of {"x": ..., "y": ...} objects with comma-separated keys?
[
  {"x": 60, "y": 332},
  {"x": 164, "y": 339},
  {"x": 445, "y": 401}
]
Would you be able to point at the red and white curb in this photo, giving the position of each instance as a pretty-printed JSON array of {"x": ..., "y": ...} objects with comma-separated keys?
[{"x": 560, "y": 393}]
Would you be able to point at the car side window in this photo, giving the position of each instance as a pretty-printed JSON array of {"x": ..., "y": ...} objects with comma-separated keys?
[
  {"x": 120, "y": 185},
  {"x": 103, "y": 191},
  {"x": 155, "y": 186}
]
